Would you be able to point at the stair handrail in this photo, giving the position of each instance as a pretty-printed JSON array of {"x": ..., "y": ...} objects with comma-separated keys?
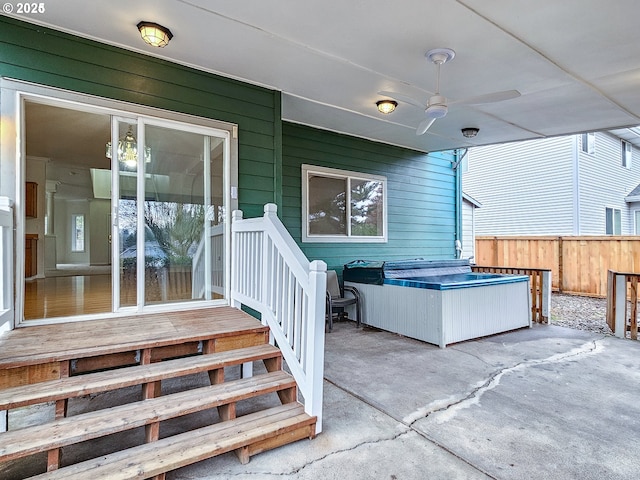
[{"x": 271, "y": 274}]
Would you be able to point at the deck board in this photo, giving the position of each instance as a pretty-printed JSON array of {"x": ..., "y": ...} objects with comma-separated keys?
[{"x": 49, "y": 343}]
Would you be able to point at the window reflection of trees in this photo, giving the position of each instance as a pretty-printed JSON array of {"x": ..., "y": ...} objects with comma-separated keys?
[{"x": 366, "y": 208}]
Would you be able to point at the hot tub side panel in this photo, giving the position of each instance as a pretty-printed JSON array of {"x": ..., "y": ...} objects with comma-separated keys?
[
  {"x": 484, "y": 310},
  {"x": 412, "y": 312}
]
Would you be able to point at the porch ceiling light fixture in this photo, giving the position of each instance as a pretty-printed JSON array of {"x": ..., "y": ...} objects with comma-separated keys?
[
  {"x": 154, "y": 34},
  {"x": 386, "y": 106},
  {"x": 128, "y": 151},
  {"x": 470, "y": 132}
]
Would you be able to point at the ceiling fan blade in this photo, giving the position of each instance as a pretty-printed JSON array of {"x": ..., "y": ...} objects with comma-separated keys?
[
  {"x": 403, "y": 98},
  {"x": 488, "y": 98},
  {"x": 424, "y": 125}
]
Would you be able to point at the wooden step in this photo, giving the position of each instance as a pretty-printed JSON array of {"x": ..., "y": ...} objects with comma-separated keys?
[
  {"x": 43, "y": 344},
  {"x": 66, "y": 431},
  {"x": 252, "y": 433},
  {"x": 80, "y": 385}
]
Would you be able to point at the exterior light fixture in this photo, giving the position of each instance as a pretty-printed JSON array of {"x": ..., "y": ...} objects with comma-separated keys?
[
  {"x": 154, "y": 34},
  {"x": 386, "y": 106},
  {"x": 470, "y": 132}
]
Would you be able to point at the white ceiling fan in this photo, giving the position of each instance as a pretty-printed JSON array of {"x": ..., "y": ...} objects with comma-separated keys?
[{"x": 437, "y": 106}]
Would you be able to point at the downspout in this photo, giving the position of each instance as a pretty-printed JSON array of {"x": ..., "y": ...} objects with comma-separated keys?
[
  {"x": 575, "y": 173},
  {"x": 458, "y": 193}
]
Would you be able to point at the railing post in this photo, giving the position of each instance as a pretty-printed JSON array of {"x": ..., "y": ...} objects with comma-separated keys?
[
  {"x": 315, "y": 339},
  {"x": 620, "y": 305},
  {"x": 236, "y": 215}
]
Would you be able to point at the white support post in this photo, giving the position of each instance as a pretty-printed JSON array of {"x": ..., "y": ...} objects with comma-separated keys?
[
  {"x": 236, "y": 215},
  {"x": 621, "y": 306},
  {"x": 315, "y": 342}
]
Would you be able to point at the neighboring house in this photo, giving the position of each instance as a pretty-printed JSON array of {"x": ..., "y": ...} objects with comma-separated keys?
[
  {"x": 584, "y": 184},
  {"x": 469, "y": 207}
]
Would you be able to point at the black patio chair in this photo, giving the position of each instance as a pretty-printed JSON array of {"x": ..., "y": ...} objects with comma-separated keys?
[{"x": 336, "y": 298}]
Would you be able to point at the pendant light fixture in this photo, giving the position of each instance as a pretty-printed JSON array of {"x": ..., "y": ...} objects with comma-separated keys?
[{"x": 128, "y": 151}]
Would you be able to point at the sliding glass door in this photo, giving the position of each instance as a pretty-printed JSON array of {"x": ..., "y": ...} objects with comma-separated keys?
[
  {"x": 170, "y": 214},
  {"x": 122, "y": 212}
]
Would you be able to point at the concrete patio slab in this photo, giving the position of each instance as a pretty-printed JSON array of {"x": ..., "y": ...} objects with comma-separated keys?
[{"x": 545, "y": 403}]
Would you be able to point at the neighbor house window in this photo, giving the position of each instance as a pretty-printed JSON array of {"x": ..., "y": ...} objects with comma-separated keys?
[
  {"x": 77, "y": 233},
  {"x": 626, "y": 154},
  {"x": 589, "y": 143},
  {"x": 342, "y": 206},
  {"x": 613, "y": 218},
  {"x": 636, "y": 217}
]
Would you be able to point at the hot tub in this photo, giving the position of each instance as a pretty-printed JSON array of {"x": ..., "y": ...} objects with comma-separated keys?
[{"x": 439, "y": 301}]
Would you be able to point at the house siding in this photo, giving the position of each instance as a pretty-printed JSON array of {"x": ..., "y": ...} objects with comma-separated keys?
[
  {"x": 525, "y": 188},
  {"x": 604, "y": 182},
  {"x": 468, "y": 229},
  {"x": 421, "y": 194},
  {"x": 48, "y": 57}
]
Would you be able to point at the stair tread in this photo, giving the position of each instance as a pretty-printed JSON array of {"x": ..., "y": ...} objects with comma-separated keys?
[
  {"x": 86, "y": 426},
  {"x": 80, "y": 385},
  {"x": 186, "y": 448},
  {"x": 66, "y": 341}
]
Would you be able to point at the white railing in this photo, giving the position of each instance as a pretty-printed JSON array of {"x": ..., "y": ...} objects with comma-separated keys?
[
  {"x": 216, "y": 264},
  {"x": 271, "y": 275},
  {"x": 6, "y": 264}
]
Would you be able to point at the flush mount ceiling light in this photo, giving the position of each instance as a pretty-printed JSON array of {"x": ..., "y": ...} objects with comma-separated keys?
[
  {"x": 154, "y": 34},
  {"x": 470, "y": 132},
  {"x": 386, "y": 106}
]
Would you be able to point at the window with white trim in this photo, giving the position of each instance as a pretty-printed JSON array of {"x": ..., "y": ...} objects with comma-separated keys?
[
  {"x": 77, "y": 232},
  {"x": 636, "y": 217},
  {"x": 589, "y": 143},
  {"x": 613, "y": 219},
  {"x": 343, "y": 206},
  {"x": 627, "y": 150}
]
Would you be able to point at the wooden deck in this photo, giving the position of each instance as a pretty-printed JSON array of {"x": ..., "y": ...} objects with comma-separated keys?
[{"x": 65, "y": 341}]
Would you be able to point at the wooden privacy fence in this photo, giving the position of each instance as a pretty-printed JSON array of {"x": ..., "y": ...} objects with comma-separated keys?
[
  {"x": 540, "y": 286},
  {"x": 622, "y": 303},
  {"x": 579, "y": 263}
]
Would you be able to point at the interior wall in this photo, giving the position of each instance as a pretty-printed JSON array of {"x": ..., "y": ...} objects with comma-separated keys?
[{"x": 100, "y": 231}]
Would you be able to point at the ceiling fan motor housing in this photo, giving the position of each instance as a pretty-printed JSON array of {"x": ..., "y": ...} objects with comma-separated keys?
[{"x": 437, "y": 107}]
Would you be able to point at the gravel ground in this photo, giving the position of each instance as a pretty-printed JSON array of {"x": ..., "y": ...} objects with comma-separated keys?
[{"x": 582, "y": 313}]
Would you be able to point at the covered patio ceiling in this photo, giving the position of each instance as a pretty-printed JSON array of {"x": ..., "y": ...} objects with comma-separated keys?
[{"x": 576, "y": 63}]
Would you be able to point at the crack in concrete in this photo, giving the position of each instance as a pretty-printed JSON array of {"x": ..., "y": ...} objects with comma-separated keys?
[
  {"x": 298, "y": 469},
  {"x": 445, "y": 409}
]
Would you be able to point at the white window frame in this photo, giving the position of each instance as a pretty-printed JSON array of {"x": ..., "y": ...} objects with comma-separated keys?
[
  {"x": 589, "y": 143},
  {"x": 74, "y": 228},
  {"x": 613, "y": 210},
  {"x": 307, "y": 171},
  {"x": 636, "y": 221},
  {"x": 627, "y": 153}
]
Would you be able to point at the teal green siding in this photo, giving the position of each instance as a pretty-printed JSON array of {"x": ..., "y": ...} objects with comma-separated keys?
[
  {"x": 48, "y": 57},
  {"x": 421, "y": 188},
  {"x": 421, "y": 194}
]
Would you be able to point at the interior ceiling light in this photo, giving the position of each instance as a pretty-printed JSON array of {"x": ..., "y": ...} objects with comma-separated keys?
[
  {"x": 470, "y": 132},
  {"x": 128, "y": 151},
  {"x": 386, "y": 106},
  {"x": 154, "y": 34}
]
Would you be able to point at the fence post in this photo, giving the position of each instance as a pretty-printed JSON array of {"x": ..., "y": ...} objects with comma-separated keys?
[
  {"x": 620, "y": 305},
  {"x": 546, "y": 295}
]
